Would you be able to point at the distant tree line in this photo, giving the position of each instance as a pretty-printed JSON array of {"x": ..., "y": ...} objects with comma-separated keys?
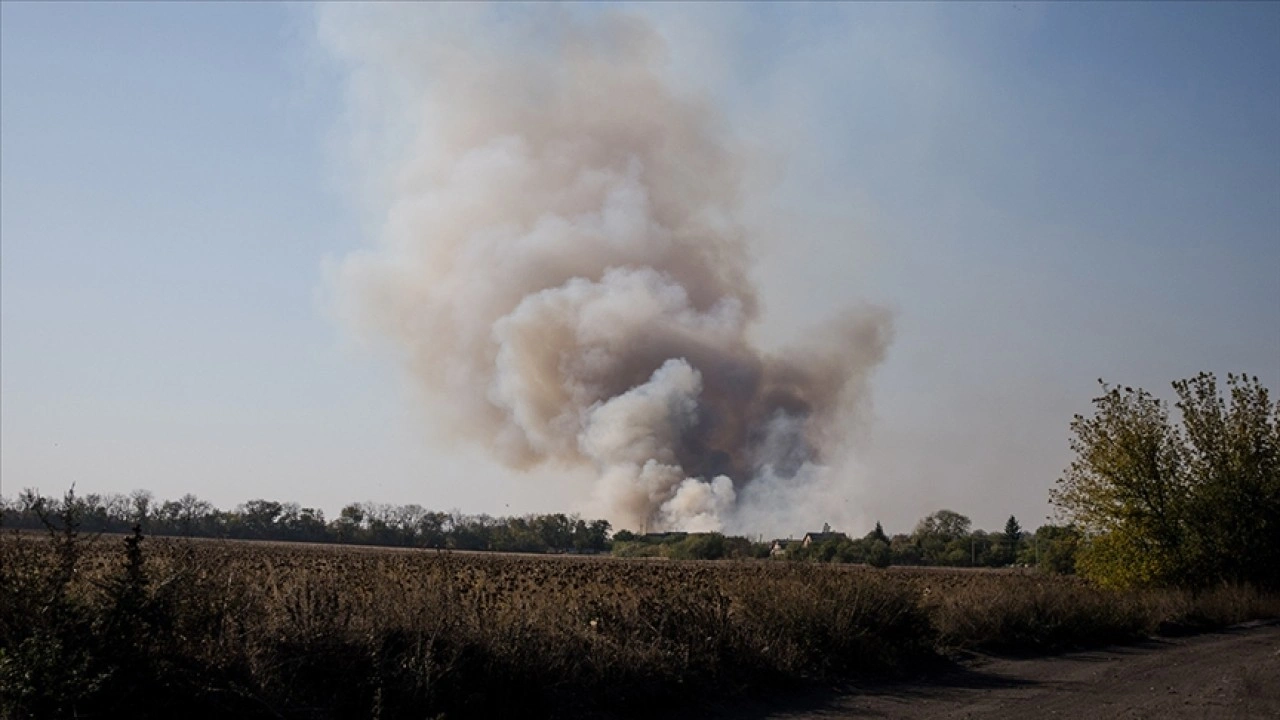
[
  {"x": 946, "y": 539},
  {"x": 943, "y": 539},
  {"x": 687, "y": 546},
  {"x": 357, "y": 523}
]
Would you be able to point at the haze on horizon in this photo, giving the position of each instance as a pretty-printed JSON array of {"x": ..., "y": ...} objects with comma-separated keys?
[{"x": 1039, "y": 195}]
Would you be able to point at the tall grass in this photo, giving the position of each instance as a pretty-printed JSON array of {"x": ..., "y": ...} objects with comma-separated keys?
[{"x": 156, "y": 628}]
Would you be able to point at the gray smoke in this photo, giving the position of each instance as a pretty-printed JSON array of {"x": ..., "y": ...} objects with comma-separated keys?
[{"x": 563, "y": 266}]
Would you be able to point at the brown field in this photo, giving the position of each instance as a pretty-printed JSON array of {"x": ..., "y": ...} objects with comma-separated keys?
[{"x": 265, "y": 629}]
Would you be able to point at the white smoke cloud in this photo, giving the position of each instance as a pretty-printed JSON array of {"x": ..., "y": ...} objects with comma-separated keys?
[{"x": 563, "y": 265}]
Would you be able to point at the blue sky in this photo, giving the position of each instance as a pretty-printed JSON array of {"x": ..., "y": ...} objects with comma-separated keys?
[{"x": 1044, "y": 194}]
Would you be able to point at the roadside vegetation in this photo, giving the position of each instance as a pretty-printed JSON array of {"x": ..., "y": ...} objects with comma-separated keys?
[{"x": 1191, "y": 500}]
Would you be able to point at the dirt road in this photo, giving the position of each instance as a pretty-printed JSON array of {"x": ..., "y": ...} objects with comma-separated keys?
[{"x": 1229, "y": 674}]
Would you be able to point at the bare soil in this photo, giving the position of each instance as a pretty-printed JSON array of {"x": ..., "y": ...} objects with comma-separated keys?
[{"x": 1233, "y": 673}]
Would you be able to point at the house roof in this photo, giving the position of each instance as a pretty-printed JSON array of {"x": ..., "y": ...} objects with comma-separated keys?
[{"x": 822, "y": 536}]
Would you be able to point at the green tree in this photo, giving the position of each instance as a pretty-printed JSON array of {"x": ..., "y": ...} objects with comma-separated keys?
[
  {"x": 258, "y": 517},
  {"x": 1232, "y": 453},
  {"x": 1012, "y": 531},
  {"x": 878, "y": 534},
  {"x": 1012, "y": 538},
  {"x": 699, "y": 546},
  {"x": 1189, "y": 505},
  {"x": 943, "y": 538},
  {"x": 878, "y": 554},
  {"x": 349, "y": 526},
  {"x": 1056, "y": 548},
  {"x": 592, "y": 535},
  {"x": 555, "y": 531},
  {"x": 430, "y": 530},
  {"x": 1126, "y": 489},
  {"x": 905, "y": 551},
  {"x": 142, "y": 504},
  {"x": 946, "y": 524}
]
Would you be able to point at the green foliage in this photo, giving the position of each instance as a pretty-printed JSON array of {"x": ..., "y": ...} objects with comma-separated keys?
[
  {"x": 878, "y": 534},
  {"x": 636, "y": 549},
  {"x": 905, "y": 551},
  {"x": 867, "y": 550},
  {"x": 1122, "y": 558},
  {"x": 1012, "y": 531},
  {"x": 878, "y": 554},
  {"x": 700, "y": 546},
  {"x": 359, "y": 523},
  {"x": 944, "y": 525},
  {"x": 1232, "y": 454},
  {"x": 944, "y": 538},
  {"x": 1058, "y": 549},
  {"x": 687, "y": 546},
  {"x": 1194, "y": 504}
]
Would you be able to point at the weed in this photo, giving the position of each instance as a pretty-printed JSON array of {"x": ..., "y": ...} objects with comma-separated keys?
[{"x": 156, "y": 628}]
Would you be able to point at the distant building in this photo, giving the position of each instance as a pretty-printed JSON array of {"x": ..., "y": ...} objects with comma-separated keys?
[
  {"x": 821, "y": 537},
  {"x": 779, "y": 547}
]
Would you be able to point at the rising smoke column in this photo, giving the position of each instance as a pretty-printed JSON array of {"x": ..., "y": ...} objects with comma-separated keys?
[{"x": 563, "y": 268}]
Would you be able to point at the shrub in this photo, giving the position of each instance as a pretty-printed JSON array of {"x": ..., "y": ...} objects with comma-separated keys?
[{"x": 212, "y": 629}]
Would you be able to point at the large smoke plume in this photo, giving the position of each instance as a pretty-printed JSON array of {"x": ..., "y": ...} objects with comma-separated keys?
[{"x": 564, "y": 265}]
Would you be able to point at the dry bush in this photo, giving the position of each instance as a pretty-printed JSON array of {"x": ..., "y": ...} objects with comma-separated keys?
[
  {"x": 207, "y": 628},
  {"x": 1022, "y": 613}
]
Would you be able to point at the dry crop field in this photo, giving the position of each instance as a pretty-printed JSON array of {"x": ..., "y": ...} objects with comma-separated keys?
[{"x": 158, "y": 626}]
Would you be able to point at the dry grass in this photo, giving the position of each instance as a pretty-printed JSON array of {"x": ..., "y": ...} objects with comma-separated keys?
[{"x": 263, "y": 630}]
